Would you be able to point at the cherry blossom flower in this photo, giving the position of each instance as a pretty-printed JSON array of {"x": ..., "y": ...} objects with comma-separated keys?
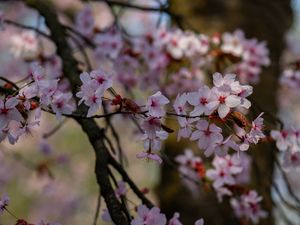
[
  {"x": 244, "y": 138},
  {"x": 149, "y": 156},
  {"x": 291, "y": 160},
  {"x": 121, "y": 189},
  {"x": 62, "y": 104},
  {"x": 245, "y": 162},
  {"x": 150, "y": 126},
  {"x": 26, "y": 128},
  {"x": 256, "y": 132},
  {"x": 225, "y": 168},
  {"x": 109, "y": 44},
  {"x": 290, "y": 78},
  {"x": 106, "y": 216},
  {"x": 91, "y": 92},
  {"x": 103, "y": 79},
  {"x": 155, "y": 58},
  {"x": 155, "y": 103},
  {"x": 233, "y": 43},
  {"x": 154, "y": 143},
  {"x": 149, "y": 216},
  {"x": 256, "y": 52},
  {"x": 24, "y": 44},
  {"x": 220, "y": 148},
  {"x": 176, "y": 45},
  {"x": 85, "y": 21},
  {"x": 283, "y": 139},
  {"x": 186, "y": 126},
  {"x": 7, "y": 133},
  {"x": 8, "y": 111},
  {"x": 53, "y": 66},
  {"x": 189, "y": 166},
  {"x": 199, "y": 222},
  {"x": 175, "y": 219},
  {"x": 180, "y": 104},
  {"x": 206, "y": 134},
  {"x": 223, "y": 102},
  {"x": 200, "y": 101},
  {"x": 248, "y": 206}
]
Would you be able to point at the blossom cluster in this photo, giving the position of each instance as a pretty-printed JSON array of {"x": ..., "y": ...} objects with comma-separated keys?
[
  {"x": 166, "y": 62},
  {"x": 248, "y": 206},
  {"x": 158, "y": 51},
  {"x": 153, "y": 216},
  {"x": 92, "y": 89},
  {"x": 226, "y": 177},
  {"x": 290, "y": 78},
  {"x": 40, "y": 91},
  {"x": 198, "y": 114},
  {"x": 288, "y": 141},
  {"x": 4, "y": 202},
  {"x": 145, "y": 215}
]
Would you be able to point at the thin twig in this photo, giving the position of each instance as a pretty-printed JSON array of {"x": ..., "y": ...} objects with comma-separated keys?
[
  {"x": 55, "y": 129},
  {"x": 132, "y": 185},
  {"x": 27, "y": 27},
  {"x": 98, "y": 206}
]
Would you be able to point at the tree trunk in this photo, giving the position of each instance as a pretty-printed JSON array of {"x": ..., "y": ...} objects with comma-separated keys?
[{"x": 262, "y": 19}]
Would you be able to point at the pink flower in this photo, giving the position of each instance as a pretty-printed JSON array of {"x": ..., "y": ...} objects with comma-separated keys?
[
  {"x": 220, "y": 148},
  {"x": 256, "y": 132},
  {"x": 149, "y": 216},
  {"x": 248, "y": 205},
  {"x": 25, "y": 128},
  {"x": 149, "y": 156},
  {"x": 200, "y": 101},
  {"x": 233, "y": 43},
  {"x": 106, "y": 216},
  {"x": 180, "y": 104},
  {"x": 6, "y": 133},
  {"x": 85, "y": 21},
  {"x": 103, "y": 79},
  {"x": 175, "y": 219},
  {"x": 226, "y": 83},
  {"x": 188, "y": 165},
  {"x": 225, "y": 168},
  {"x": 150, "y": 126},
  {"x": 291, "y": 160},
  {"x": 199, "y": 222},
  {"x": 121, "y": 189},
  {"x": 223, "y": 102},
  {"x": 206, "y": 134},
  {"x": 155, "y": 103},
  {"x": 109, "y": 44},
  {"x": 186, "y": 126},
  {"x": 283, "y": 139},
  {"x": 8, "y": 111},
  {"x": 90, "y": 93},
  {"x": 24, "y": 44},
  {"x": 62, "y": 104},
  {"x": 176, "y": 44}
]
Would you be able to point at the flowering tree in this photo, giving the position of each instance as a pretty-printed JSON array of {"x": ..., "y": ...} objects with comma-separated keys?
[{"x": 164, "y": 82}]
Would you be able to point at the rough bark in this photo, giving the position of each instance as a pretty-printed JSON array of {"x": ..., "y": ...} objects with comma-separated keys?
[{"x": 266, "y": 20}]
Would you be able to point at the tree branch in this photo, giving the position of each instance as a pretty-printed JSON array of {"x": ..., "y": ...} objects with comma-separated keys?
[{"x": 90, "y": 127}]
